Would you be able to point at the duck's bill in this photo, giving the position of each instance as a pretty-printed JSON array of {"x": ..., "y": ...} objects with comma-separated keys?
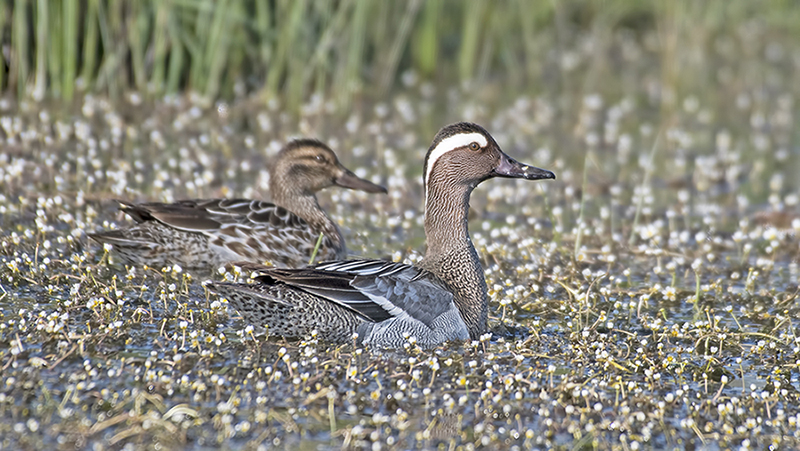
[
  {"x": 512, "y": 168},
  {"x": 352, "y": 181}
]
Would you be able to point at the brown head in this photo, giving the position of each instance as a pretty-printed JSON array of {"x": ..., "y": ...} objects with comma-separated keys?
[
  {"x": 466, "y": 154},
  {"x": 305, "y": 166}
]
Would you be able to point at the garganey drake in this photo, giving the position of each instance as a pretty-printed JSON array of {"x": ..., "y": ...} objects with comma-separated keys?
[
  {"x": 209, "y": 233},
  {"x": 386, "y": 303}
]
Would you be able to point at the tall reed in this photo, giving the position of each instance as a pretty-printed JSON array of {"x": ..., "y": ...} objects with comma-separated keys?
[{"x": 291, "y": 49}]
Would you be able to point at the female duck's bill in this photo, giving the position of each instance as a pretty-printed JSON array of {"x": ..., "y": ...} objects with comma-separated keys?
[
  {"x": 389, "y": 304},
  {"x": 208, "y": 233}
]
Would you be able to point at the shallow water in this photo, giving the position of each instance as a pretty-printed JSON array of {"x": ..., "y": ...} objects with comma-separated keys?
[{"x": 598, "y": 337}]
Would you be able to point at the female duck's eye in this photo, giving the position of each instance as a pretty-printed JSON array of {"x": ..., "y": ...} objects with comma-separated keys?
[
  {"x": 319, "y": 158},
  {"x": 474, "y": 146}
]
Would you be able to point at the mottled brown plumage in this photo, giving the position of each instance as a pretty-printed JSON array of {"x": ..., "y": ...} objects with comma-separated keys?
[{"x": 208, "y": 233}]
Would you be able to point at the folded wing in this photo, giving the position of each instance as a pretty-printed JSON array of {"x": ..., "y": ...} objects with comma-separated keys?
[
  {"x": 204, "y": 215},
  {"x": 376, "y": 290}
]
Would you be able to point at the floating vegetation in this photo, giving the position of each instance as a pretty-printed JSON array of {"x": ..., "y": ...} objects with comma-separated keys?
[{"x": 645, "y": 299}]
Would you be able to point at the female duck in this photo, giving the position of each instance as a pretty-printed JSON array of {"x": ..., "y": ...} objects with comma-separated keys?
[{"x": 208, "y": 233}]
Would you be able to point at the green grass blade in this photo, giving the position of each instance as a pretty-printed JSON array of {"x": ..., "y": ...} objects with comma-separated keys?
[
  {"x": 53, "y": 49},
  {"x": 349, "y": 76},
  {"x": 176, "y": 56},
  {"x": 333, "y": 22},
  {"x": 111, "y": 47},
  {"x": 137, "y": 22},
  {"x": 264, "y": 31},
  {"x": 426, "y": 44},
  {"x": 69, "y": 28},
  {"x": 474, "y": 17},
  {"x": 316, "y": 249},
  {"x": 21, "y": 48},
  {"x": 399, "y": 44},
  {"x": 286, "y": 40},
  {"x": 42, "y": 38},
  {"x": 90, "y": 41},
  {"x": 160, "y": 45},
  {"x": 197, "y": 42},
  {"x": 216, "y": 48}
]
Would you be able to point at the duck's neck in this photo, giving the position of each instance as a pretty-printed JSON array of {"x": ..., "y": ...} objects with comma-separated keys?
[
  {"x": 306, "y": 206},
  {"x": 450, "y": 254}
]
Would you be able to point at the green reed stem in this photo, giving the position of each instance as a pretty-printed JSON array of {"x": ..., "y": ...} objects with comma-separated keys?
[
  {"x": 40, "y": 79},
  {"x": 160, "y": 45},
  {"x": 288, "y": 32},
  {"x": 137, "y": 32},
  {"x": 697, "y": 293},
  {"x": 216, "y": 48},
  {"x": 113, "y": 47},
  {"x": 316, "y": 249},
  {"x": 176, "y": 55},
  {"x": 399, "y": 43},
  {"x": 264, "y": 31},
  {"x": 319, "y": 63},
  {"x": 90, "y": 41},
  {"x": 20, "y": 38},
  {"x": 471, "y": 27},
  {"x": 54, "y": 48},
  {"x": 69, "y": 28},
  {"x": 426, "y": 45},
  {"x": 332, "y": 413},
  {"x": 349, "y": 76},
  {"x": 294, "y": 48}
]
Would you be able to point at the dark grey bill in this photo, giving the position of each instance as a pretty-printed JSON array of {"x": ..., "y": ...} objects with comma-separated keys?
[
  {"x": 512, "y": 168},
  {"x": 352, "y": 181}
]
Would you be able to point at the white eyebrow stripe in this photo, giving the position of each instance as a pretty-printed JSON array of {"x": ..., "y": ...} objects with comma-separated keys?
[{"x": 451, "y": 143}]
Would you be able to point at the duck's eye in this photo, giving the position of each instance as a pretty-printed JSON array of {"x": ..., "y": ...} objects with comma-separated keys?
[
  {"x": 474, "y": 146},
  {"x": 319, "y": 158}
]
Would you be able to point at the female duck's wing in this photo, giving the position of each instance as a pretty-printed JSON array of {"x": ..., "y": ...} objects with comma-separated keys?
[
  {"x": 250, "y": 229},
  {"x": 207, "y": 215},
  {"x": 376, "y": 290}
]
